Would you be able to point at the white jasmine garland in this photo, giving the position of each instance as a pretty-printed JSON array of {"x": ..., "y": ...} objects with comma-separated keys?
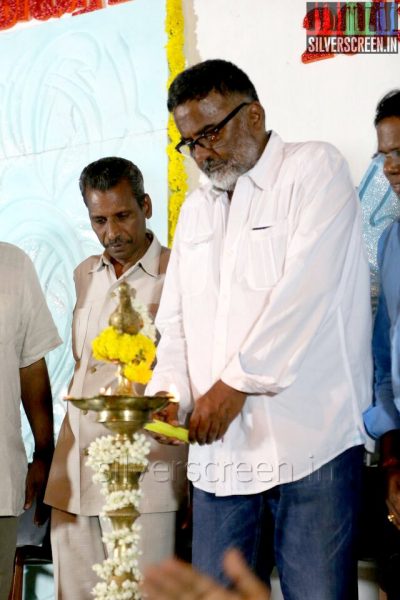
[
  {"x": 115, "y": 567},
  {"x": 120, "y": 498},
  {"x": 122, "y": 537},
  {"x": 108, "y": 449},
  {"x": 122, "y": 544},
  {"x": 128, "y": 590}
]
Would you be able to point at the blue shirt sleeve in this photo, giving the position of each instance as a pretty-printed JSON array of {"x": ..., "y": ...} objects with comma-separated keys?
[{"x": 383, "y": 415}]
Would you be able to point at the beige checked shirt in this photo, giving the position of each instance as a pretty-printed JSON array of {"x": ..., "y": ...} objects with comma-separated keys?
[{"x": 70, "y": 486}]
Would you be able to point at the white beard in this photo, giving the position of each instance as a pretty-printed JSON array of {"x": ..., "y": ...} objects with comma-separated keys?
[
  {"x": 224, "y": 174},
  {"x": 225, "y": 179}
]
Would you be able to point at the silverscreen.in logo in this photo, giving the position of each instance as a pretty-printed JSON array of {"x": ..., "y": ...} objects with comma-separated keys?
[{"x": 351, "y": 28}]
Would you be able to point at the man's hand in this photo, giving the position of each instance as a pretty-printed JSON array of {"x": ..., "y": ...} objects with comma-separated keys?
[
  {"x": 168, "y": 414},
  {"x": 176, "y": 580},
  {"x": 35, "y": 485},
  {"x": 36, "y": 399},
  {"x": 390, "y": 466},
  {"x": 393, "y": 495},
  {"x": 214, "y": 412},
  {"x": 246, "y": 585}
]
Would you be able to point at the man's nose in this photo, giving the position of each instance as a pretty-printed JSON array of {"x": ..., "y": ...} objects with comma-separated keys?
[
  {"x": 391, "y": 165},
  {"x": 200, "y": 153},
  {"x": 112, "y": 229}
]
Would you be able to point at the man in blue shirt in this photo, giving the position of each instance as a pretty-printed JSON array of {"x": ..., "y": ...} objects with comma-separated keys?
[{"x": 382, "y": 420}]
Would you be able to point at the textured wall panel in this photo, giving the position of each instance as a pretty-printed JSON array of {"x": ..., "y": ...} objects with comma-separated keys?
[{"x": 73, "y": 90}]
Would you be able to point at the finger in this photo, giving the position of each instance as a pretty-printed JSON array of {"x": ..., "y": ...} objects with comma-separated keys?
[
  {"x": 213, "y": 431},
  {"x": 175, "y": 580},
  {"x": 29, "y": 494},
  {"x": 392, "y": 507},
  {"x": 395, "y": 517},
  {"x": 395, "y": 500},
  {"x": 222, "y": 430},
  {"x": 42, "y": 513},
  {"x": 169, "y": 441},
  {"x": 160, "y": 415},
  {"x": 393, "y": 521},
  {"x": 202, "y": 430},
  {"x": 168, "y": 414},
  {"x": 193, "y": 423},
  {"x": 245, "y": 581}
]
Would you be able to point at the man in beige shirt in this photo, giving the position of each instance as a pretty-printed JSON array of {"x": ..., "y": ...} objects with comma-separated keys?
[
  {"x": 27, "y": 333},
  {"x": 113, "y": 191}
]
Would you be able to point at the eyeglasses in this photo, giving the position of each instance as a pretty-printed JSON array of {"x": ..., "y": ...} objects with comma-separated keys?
[
  {"x": 208, "y": 139},
  {"x": 394, "y": 156}
]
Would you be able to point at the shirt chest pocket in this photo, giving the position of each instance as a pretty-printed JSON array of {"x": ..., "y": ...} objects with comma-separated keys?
[
  {"x": 194, "y": 265},
  {"x": 79, "y": 330},
  {"x": 262, "y": 261}
]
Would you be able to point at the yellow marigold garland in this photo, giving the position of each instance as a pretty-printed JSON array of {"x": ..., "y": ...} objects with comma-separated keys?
[
  {"x": 140, "y": 373},
  {"x": 177, "y": 179},
  {"x": 135, "y": 352}
]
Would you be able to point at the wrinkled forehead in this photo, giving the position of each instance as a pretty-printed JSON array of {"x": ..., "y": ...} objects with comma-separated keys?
[
  {"x": 388, "y": 131},
  {"x": 193, "y": 116},
  {"x": 112, "y": 201}
]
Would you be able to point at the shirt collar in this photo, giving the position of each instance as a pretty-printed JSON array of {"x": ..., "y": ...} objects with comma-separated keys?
[
  {"x": 149, "y": 262},
  {"x": 266, "y": 168},
  {"x": 264, "y": 171}
]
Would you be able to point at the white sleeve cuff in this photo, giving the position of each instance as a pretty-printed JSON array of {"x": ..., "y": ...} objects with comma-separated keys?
[{"x": 236, "y": 377}]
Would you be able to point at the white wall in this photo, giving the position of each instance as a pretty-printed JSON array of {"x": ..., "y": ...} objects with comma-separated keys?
[{"x": 332, "y": 100}]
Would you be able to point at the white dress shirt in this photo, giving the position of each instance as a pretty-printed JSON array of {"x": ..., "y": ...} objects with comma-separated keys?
[
  {"x": 270, "y": 293},
  {"x": 27, "y": 334}
]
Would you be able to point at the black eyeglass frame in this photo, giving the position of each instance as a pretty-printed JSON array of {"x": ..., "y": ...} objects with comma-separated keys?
[{"x": 190, "y": 144}]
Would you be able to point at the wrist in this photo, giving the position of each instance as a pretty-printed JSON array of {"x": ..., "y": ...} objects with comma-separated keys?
[{"x": 43, "y": 454}]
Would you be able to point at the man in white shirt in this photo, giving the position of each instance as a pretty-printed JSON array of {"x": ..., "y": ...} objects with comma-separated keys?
[
  {"x": 27, "y": 334},
  {"x": 265, "y": 324},
  {"x": 113, "y": 190}
]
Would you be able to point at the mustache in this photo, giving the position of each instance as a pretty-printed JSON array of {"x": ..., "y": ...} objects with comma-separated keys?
[
  {"x": 210, "y": 164},
  {"x": 118, "y": 240}
]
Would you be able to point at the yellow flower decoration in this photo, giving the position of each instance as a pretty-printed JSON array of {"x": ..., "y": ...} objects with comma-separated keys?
[
  {"x": 140, "y": 373},
  {"x": 177, "y": 179},
  {"x": 137, "y": 350}
]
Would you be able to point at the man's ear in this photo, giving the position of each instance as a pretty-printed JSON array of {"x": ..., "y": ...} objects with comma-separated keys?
[
  {"x": 256, "y": 116},
  {"x": 147, "y": 207}
]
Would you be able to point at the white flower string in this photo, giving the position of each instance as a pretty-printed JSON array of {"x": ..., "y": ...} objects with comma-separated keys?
[
  {"x": 120, "y": 499},
  {"x": 128, "y": 590},
  {"x": 104, "y": 454},
  {"x": 107, "y": 449}
]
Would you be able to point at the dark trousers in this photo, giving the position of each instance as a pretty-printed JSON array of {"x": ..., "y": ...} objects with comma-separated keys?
[{"x": 307, "y": 527}]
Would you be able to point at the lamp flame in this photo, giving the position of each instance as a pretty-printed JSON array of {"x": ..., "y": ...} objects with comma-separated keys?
[
  {"x": 105, "y": 392},
  {"x": 173, "y": 390}
]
